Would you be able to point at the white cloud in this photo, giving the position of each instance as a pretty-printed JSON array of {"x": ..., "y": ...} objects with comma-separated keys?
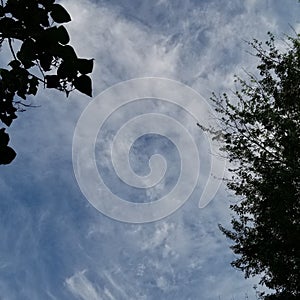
[
  {"x": 80, "y": 286},
  {"x": 161, "y": 233},
  {"x": 122, "y": 48}
]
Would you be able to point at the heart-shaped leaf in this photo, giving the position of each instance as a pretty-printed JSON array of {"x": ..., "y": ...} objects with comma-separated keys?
[
  {"x": 59, "y": 14},
  {"x": 83, "y": 84}
]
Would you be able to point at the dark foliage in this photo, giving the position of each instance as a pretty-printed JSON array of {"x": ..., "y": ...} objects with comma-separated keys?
[
  {"x": 262, "y": 141},
  {"x": 7, "y": 154},
  {"x": 42, "y": 48}
]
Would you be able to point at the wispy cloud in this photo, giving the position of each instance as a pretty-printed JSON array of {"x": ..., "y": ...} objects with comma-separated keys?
[{"x": 82, "y": 288}]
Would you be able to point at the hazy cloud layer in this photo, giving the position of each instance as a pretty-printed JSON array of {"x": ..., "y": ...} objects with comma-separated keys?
[{"x": 54, "y": 244}]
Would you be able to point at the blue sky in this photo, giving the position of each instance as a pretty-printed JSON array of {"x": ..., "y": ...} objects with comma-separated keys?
[{"x": 54, "y": 243}]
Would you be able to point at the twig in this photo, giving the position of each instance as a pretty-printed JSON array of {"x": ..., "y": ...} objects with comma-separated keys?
[
  {"x": 26, "y": 105},
  {"x": 12, "y": 49},
  {"x": 39, "y": 66}
]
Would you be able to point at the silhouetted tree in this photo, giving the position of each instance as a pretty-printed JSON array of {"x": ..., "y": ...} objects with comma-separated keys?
[
  {"x": 262, "y": 141},
  {"x": 41, "y": 53}
]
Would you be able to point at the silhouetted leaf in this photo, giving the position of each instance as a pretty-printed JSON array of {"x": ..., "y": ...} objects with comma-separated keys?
[
  {"x": 14, "y": 64},
  {"x": 27, "y": 53},
  {"x": 62, "y": 35},
  {"x": 67, "y": 53},
  {"x": 59, "y": 14},
  {"x": 28, "y": 48},
  {"x": 45, "y": 61},
  {"x": 7, "y": 155},
  {"x": 8, "y": 24},
  {"x": 3, "y": 72},
  {"x": 85, "y": 66},
  {"x": 4, "y": 138},
  {"x": 33, "y": 86},
  {"x": 83, "y": 84},
  {"x": 7, "y": 118},
  {"x": 67, "y": 70}
]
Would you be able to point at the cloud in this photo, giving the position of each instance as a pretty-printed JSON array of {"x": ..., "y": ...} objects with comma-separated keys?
[
  {"x": 81, "y": 287},
  {"x": 123, "y": 49}
]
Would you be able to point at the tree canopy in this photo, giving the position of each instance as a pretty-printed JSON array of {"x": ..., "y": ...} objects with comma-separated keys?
[
  {"x": 41, "y": 54},
  {"x": 261, "y": 123}
]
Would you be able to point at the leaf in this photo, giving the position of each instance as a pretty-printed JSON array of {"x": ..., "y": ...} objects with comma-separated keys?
[
  {"x": 7, "y": 119},
  {"x": 21, "y": 94},
  {"x": 67, "y": 53},
  {"x": 53, "y": 35},
  {"x": 27, "y": 53},
  {"x": 83, "y": 84},
  {"x": 43, "y": 17},
  {"x": 3, "y": 72},
  {"x": 62, "y": 35},
  {"x": 33, "y": 86},
  {"x": 85, "y": 66},
  {"x": 7, "y": 155},
  {"x": 52, "y": 81},
  {"x": 21, "y": 81},
  {"x": 67, "y": 70},
  {"x": 10, "y": 26},
  {"x": 45, "y": 61},
  {"x": 59, "y": 14},
  {"x": 28, "y": 48},
  {"x": 4, "y": 138},
  {"x": 14, "y": 64}
]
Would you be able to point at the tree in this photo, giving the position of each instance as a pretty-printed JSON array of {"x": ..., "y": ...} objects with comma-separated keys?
[
  {"x": 261, "y": 125},
  {"x": 43, "y": 56}
]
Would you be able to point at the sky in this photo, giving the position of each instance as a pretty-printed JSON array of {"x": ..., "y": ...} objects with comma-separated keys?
[{"x": 55, "y": 243}]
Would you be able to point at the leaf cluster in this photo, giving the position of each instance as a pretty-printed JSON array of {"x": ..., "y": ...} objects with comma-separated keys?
[{"x": 44, "y": 55}]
